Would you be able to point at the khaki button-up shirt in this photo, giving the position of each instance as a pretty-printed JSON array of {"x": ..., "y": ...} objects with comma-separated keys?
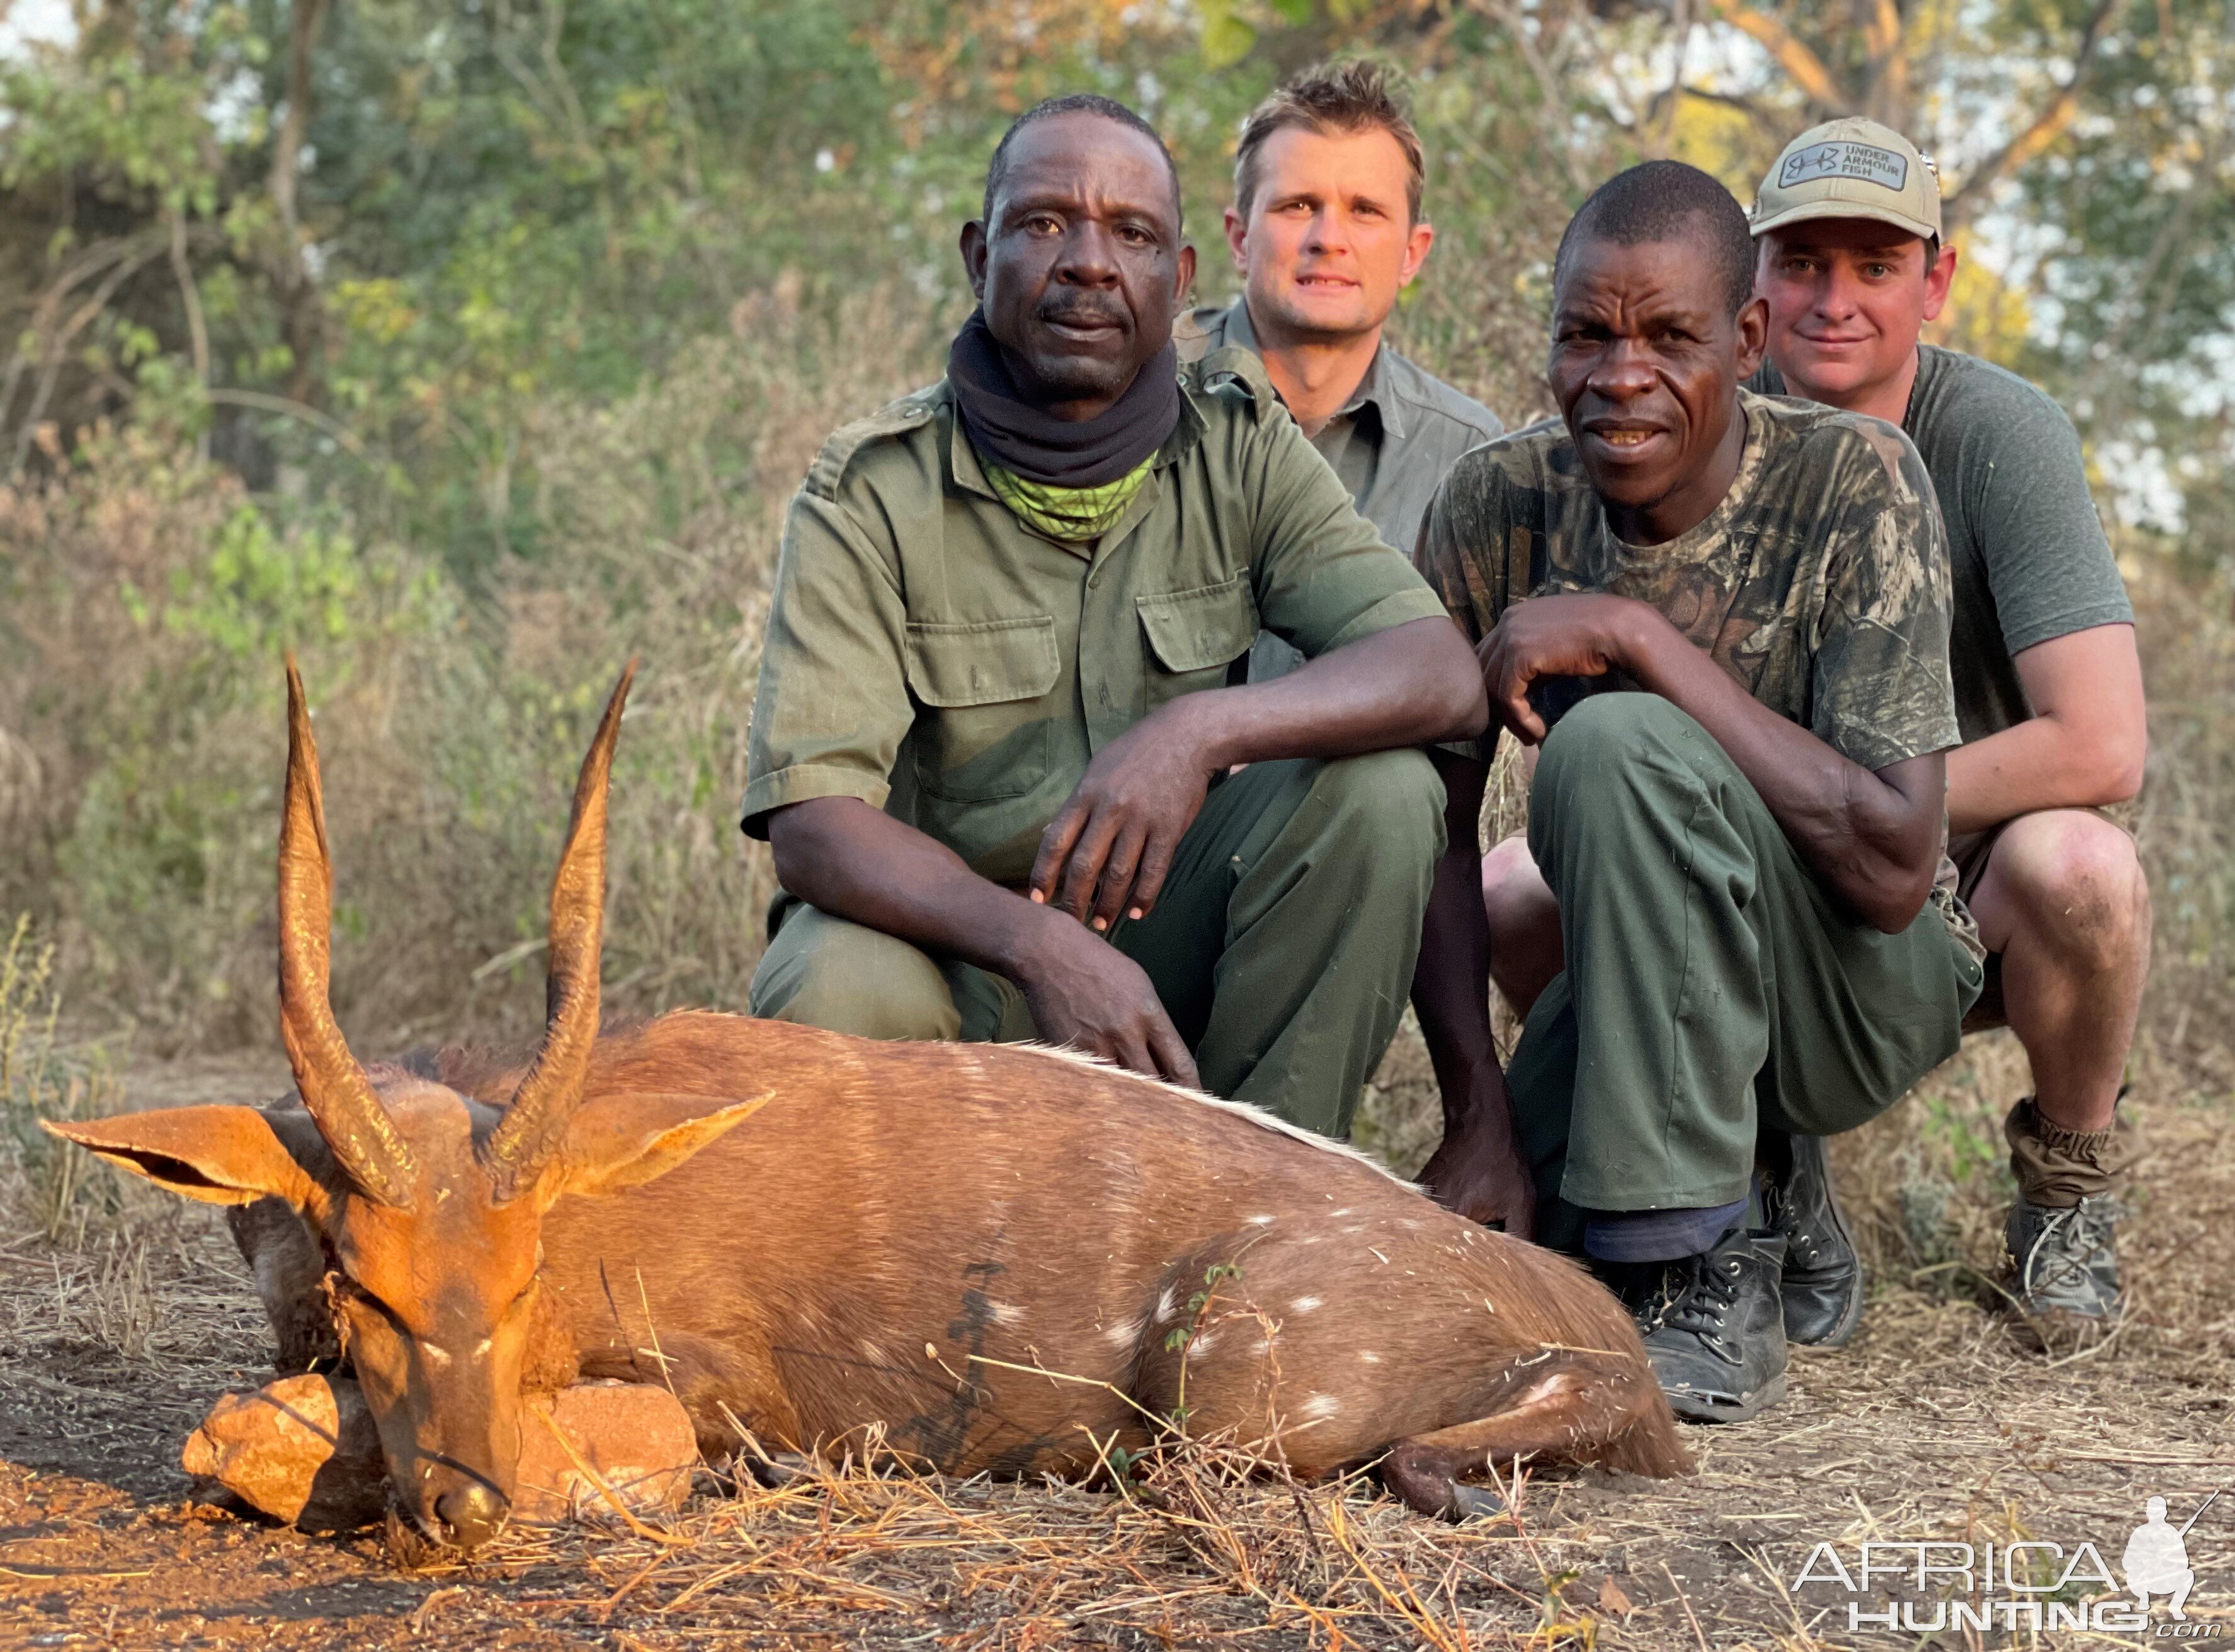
[
  {"x": 931, "y": 654},
  {"x": 1393, "y": 443}
]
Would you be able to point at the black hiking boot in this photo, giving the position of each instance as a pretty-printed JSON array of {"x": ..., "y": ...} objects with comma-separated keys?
[
  {"x": 1715, "y": 1329},
  {"x": 2064, "y": 1267},
  {"x": 1823, "y": 1280}
]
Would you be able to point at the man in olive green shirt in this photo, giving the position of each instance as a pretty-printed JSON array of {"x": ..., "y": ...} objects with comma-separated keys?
[{"x": 1000, "y": 696}]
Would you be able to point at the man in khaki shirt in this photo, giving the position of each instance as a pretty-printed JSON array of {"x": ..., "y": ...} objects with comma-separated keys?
[
  {"x": 1326, "y": 231},
  {"x": 1001, "y": 693}
]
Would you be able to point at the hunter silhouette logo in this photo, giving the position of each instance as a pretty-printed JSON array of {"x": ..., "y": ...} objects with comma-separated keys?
[
  {"x": 1864, "y": 160},
  {"x": 2156, "y": 1561}
]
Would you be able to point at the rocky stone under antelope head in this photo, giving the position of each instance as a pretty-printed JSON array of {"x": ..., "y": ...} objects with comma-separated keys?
[{"x": 980, "y": 1257}]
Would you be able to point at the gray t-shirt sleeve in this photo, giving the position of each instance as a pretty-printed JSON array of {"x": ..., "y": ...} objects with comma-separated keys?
[{"x": 2048, "y": 562}]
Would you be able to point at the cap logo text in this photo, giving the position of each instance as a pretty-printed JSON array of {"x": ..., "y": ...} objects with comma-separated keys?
[{"x": 1864, "y": 160}]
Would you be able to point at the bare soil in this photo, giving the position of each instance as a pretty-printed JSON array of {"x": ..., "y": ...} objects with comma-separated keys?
[{"x": 1937, "y": 1423}]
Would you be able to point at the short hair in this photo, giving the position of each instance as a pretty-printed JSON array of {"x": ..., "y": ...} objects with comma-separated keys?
[
  {"x": 1659, "y": 200},
  {"x": 1108, "y": 108},
  {"x": 1361, "y": 95}
]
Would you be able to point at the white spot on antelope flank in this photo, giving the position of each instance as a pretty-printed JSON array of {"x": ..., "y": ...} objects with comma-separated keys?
[
  {"x": 1304, "y": 1304},
  {"x": 1385, "y": 1260},
  {"x": 1164, "y": 1306},
  {"x": 1006, "y": 1313},
  {"x": 1261, "y": 1221},
  {"x": 1345, "y": 1211},
  {"x": 872, "y": 1352},
  {"x": 1369, "y": 1356},
  {"x": 1197, "y": 1346},
  {"x": 1124, "y": 1335},
  {"x": 1321, "y": 1406}
]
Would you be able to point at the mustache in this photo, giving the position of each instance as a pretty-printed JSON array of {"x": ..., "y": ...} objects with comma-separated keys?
[{"x": 1077, "y": 307}]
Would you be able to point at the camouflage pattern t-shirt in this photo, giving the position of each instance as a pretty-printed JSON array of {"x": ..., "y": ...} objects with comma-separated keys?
[{"x": 1821, "y": 582}]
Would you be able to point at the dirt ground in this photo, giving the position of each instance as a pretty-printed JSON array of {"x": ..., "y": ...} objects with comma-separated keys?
[{"x": 1936, "y": 1424}]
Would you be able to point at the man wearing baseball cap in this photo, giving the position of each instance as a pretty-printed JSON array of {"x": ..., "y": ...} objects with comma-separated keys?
[
  {"x": 2048, "y": 687},
  {"x": 2048, "y": 700}
]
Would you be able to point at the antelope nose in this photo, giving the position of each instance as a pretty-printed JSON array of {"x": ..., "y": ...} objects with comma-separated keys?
[{"x": 471, "y": 1513}]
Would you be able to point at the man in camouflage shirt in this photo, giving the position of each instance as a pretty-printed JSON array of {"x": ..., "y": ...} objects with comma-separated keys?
[{"x": 1726, "y": 617}]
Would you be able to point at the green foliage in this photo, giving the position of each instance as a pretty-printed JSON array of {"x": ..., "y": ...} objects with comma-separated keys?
[
  {"x": 258, "y": 594},
  {"x": 131, "y": 121},
  {"x": 41, "y": 1081},
  {"x": 507, "y": 371}
]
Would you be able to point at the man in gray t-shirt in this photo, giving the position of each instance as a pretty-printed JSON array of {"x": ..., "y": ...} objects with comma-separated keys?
[
  {"x": 1326, "y": 231},
  {"x": 2048, "y": 685}
]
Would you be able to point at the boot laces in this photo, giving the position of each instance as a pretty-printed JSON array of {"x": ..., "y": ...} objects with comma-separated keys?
[
  {"x": 1805, "y": 1246},
  {"x": 2067, "y": 1244},
  {"x": 1698, "y": 1294}
]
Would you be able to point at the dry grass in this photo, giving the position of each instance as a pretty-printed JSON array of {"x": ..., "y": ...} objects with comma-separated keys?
[
  {"x": 1935, "y": 1424},
  {"x": 451, "y": 730},
  {"x": 1938, "y": 1423}
]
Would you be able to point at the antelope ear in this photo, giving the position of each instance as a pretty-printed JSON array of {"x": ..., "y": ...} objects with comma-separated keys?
[
  {"x": 621, "y": 1141},
  {"x": 221, "y": 1155}
]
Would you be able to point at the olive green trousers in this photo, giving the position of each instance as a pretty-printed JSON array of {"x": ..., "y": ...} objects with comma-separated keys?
[
  {"x": 1714, "y": 986},
  {"x": 1281, "y": 947}
]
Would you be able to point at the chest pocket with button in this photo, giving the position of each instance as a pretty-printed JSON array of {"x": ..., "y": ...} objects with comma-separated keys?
[
  {"x": 1195, "y": 637},
  {"x": 984, "y": 735}
]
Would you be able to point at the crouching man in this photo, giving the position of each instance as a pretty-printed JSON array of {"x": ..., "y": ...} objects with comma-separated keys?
[
  {"x": 1725, "y": 618},
  {"x": 2049, "y": 683},
  {"x": 1002, "y": 688}
]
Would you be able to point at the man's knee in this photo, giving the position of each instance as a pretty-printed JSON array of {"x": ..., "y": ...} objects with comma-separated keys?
[
  {"x": 1519, "y": 904},
  {"x": 2076, "y": 881},
  {"x": 1600, "y": 740},
  {"x": 1511, "y": 884},
  {"x": 822, "y": 971},
  {"x": 1616, "y": 766},
  {"x": 1388, "y": 803}
]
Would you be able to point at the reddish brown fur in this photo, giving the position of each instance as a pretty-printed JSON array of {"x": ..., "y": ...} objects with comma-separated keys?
[{"x": 899, "y": 1209}]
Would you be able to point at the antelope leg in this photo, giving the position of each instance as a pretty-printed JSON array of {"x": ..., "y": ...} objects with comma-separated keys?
[{"x": 1561, "y": 1406}]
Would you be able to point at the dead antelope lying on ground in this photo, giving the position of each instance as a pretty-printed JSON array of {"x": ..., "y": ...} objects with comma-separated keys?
[{"x": 1000, "y": 1258}]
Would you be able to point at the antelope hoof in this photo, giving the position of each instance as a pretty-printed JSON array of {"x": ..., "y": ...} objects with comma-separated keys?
[
  {"x": 778, "y": 1469},
  {"x": 1475, "y": 1502}
]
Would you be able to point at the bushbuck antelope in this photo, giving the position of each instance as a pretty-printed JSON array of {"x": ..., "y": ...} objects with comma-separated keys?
[{"x": 987, "y": 1257}]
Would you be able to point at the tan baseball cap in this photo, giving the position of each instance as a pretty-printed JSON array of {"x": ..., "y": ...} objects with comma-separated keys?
[{"x": 1849, "y": 168}]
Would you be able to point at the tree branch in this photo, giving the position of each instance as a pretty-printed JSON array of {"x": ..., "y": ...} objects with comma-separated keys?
[
  {"x": 190, "y": 296},
  {"x": 287, "y": 149},
  {"x": 1548, "y": 82},
  {"x": 1800, "y": 63},
  {"x": 264, "y": 402},
  {"x": 55, "y": 345},
  {"x": 1883, "y": 41},
  {"x": 2046, "y": 128}
]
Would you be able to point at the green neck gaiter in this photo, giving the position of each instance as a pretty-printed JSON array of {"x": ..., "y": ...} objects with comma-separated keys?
[{"x": 1071, "y": 515}]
